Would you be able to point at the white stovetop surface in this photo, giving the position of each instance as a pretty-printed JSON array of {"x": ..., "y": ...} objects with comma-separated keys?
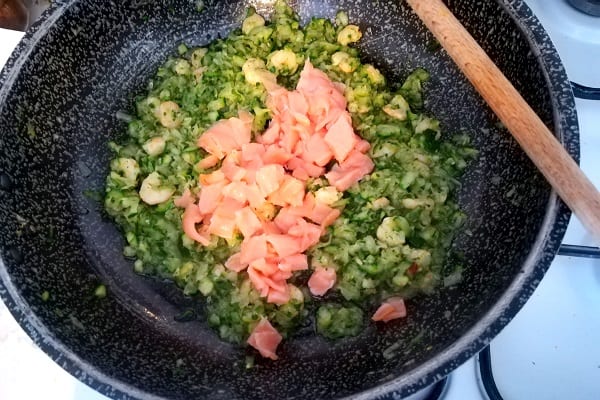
[{"x": 549, "y": 351}]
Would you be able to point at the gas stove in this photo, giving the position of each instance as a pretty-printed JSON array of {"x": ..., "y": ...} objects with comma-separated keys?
[{"x": 550, "y": 349}]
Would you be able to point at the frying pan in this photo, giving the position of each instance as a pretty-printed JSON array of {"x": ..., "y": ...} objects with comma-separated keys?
[{"x": 81, "y": 66}]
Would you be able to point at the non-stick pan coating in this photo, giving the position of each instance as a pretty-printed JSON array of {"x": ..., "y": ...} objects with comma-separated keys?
[{"x": 58, "y": 104}]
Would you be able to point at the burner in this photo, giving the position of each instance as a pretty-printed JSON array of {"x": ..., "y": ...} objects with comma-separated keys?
[
  {"x": 549, "y": 351},
  {"x": 591, "y": 7}
]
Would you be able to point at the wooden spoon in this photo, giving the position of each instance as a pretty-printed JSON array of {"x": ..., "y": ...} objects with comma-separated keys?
[{"x": 561, "y": 171}]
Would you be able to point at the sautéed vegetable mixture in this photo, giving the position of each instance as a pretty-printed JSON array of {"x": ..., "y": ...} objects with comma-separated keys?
[{"x": 281, "y": 180}]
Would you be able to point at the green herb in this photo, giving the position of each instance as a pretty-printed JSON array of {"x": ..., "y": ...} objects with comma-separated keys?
[
  {"x": 92, "y": 194},
  {"x": 100, "y": 291},
  {"x": 31, "y": 130},
  {"x": 433, "y": 45}
]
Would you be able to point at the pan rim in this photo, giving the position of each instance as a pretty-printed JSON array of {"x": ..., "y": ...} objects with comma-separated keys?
[
  {"x": 538, "y": 261},
  {"x": 548, "y": 240}
]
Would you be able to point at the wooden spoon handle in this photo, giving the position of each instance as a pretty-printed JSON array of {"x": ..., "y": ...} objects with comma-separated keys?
[{"x": 535, "y": 138}]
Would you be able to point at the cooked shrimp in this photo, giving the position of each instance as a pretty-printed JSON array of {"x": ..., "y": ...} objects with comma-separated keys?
[
  {"x": 168, "y": 114},
  {"x": 153, "y": 192}
]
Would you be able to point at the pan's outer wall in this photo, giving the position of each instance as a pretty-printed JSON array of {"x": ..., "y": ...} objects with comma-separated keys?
[{"x": 81, "y": 64}]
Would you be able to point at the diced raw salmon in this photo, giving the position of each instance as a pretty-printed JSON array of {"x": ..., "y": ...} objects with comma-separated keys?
[
  {"x": 298, "y": 106},
  {"x": 285, "y": 219},
  {"x": 278, "y": 297},
  {"x": 308, "y": 204},
  {"x": 295, "y": 262},
  {"x": 290, "y": 192},
  {"x": 326, "y": 101},
  {"x": 208, "y": 161},
  {"x": 277, "y": 102},
  {"x": 276, "y": 155},
  {"x": 309, "y": 234},
  {"x": 253, "y": 248},
  {"x": 265, "y": 339},
  {"x": 251, "y": 166},
  {"x": 227, "y": 135},
  {"x": 322, "y": 213},
  {"x": 359, "y": 160},
  {"x": 191, "y": 217},
  {"x": 264, "y": 267},
  {"x": 310, "y": 127},
  {"x": 352, "y": 170},
  {"x": 341, "y": 88},
  {"x": 234, "y": 263},
  {"x": 300, "y": 173},
  {"x": 253, "y": 195},
  {"x": 214, "y": 177},
  {"x": 317, "y": 151},
  {"x": 290, "y": 215},
  {"x": 271, "y": 135},
  {"x": 311, "y": 169},
  {"x": 312, "y": 80},
  {"x": 247, "y": 222},
  {"x": 284, "y": 245},
  {"x": 217, "y": 140},
  {"x": 258, "y": 281},
  {"x": 228, "y": 206},
  {"x": 247, "y": 118},
  {"x": 210, "y": 196},
  {"x": 237, "y": 191},
  {"x": 304, "y": 133},
  {"x": 269, "y": 178},
  {"x": 270, "y": 227},
  {"x": 231, "y": 168},
  {"x": 275, "y": 283},
  {"x": 341, "y": 138},
  {"x": 330, "y": 218},
  {"x": 282, "y": 275},
  {"x": 185, "y": 199},
  {"x": 362, "y": 145},
  {"x": 288, "y": 139},
  {"x": 322, "y": 113},
  {"x": 253, "y": 151},
  {"x": 263, "y": 283},
  {"x": 392, "y": 308},
  {"x": 341, "y": 179},
  {"x": 314, "y": 171},
  {"x": 321, "y": 280},
  {"x": 223, "y": 225}
]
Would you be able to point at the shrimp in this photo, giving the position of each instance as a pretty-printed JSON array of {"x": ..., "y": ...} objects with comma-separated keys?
[
  {"x": 350, "y": 34},
  {"x": 127, "y": 169},
  {"x": 168, "y": 114},
  {"x": 154, "y": 146},
  {"x": 152, "y": 192}
]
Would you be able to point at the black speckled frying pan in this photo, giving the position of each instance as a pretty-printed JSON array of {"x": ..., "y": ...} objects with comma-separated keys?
[{"x": 86, "y": 60}]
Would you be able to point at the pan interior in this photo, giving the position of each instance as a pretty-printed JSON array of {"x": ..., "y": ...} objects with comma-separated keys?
[{"x": 58, "y": 113}]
